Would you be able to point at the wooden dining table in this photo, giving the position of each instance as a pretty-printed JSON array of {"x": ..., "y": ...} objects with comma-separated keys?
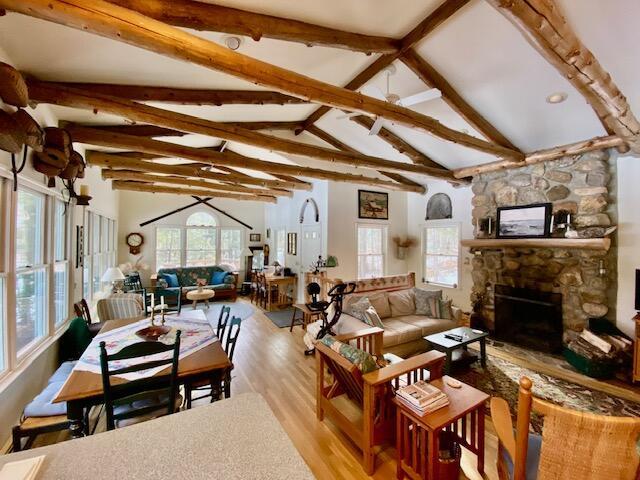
[
  {"x": 83, "y": 389},
  {"x": 285, "y": 291}
]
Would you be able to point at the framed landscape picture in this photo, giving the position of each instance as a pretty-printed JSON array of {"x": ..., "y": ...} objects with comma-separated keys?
[
  {"x": 527, "y": 221},
  {"x": 373, "y": 205}
]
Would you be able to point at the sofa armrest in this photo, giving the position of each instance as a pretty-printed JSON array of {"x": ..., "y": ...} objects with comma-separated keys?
[
  {"x": 368, "y": 339},
  {"x": 432, "y": 360}
]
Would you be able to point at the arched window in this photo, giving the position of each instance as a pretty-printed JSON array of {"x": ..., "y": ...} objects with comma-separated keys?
[{"x": 201, "y": 219}]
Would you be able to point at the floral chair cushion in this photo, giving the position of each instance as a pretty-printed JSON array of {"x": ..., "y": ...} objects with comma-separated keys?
[{"x": 363, "y": 360}]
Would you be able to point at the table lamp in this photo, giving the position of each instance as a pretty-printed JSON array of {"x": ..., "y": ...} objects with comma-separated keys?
[{"x": 116, "y": 277}]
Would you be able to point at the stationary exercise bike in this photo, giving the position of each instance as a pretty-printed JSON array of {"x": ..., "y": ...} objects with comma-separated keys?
[{"x": 336, "y": 296}]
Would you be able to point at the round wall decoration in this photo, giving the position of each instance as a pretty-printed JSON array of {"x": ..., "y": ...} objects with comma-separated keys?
[
  {"x": 439, "y": 207},
  {"x": 135, "y": 241}
]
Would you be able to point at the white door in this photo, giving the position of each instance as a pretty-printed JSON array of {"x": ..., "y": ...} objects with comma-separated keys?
[{"x": 310, "y": 246}]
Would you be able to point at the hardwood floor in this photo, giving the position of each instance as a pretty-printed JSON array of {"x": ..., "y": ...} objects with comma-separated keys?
[{"x": 271, "y": 361}]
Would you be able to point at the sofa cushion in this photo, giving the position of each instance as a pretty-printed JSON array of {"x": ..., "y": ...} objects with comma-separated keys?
[
  {"x": 361, "y": 359},
  {"x": 397, "y": 332},
  {"x": 63, "y": 372},
  {"x": 427, "y": 326},
  {"x": 170, "y": 278},
  {"x": 43, "y": 406},
  {"x": 380, "y": 302},
  {"x": 426, "y": 301},
  {"x": 217, "y": 278},
  {"x": 402, "y": 302}
]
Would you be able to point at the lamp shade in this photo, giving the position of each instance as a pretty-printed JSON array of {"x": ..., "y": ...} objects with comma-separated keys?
[
  {"x": 112, "y": 274},
  {"x": 246, "y": 252}
]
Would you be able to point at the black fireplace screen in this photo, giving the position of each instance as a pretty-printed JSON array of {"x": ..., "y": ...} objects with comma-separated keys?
[{"x": 529, "y": 318}]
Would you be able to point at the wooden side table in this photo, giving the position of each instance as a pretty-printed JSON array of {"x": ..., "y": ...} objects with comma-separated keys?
[
  {"x": 308, "y": 316},
  {"x": 417, "y": 437},
  {"x": 197, "y": 295}
]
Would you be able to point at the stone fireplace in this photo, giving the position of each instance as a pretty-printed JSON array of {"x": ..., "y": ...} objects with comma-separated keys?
[{"x": 585, "y": 278}]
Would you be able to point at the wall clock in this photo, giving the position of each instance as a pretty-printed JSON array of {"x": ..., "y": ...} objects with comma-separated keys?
[{"x": 135, "y": 241}]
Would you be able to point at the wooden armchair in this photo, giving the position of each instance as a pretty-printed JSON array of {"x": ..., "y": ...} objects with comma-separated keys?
[
  {"x": 573, "y": 444},
  {"x": 360, "y": 404}
]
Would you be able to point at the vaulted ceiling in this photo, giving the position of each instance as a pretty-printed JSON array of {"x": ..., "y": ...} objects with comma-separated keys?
[{"x": 481, "y": 54}]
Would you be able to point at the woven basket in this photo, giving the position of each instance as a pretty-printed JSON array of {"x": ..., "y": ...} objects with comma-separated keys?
[
  {"x": 13, "y": 89},
  {"x": 12, "y": 137},
  {"x": 34, "y": 134},
  {"x": 70, "y": 172}
]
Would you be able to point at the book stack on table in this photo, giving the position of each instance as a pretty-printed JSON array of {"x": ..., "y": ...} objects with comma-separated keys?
[{"x": 422, "y": 397}]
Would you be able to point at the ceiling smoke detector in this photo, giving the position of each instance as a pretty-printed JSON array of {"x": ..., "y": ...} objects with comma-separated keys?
[
  {"x": 557, "y": 97},
  {"x": 233, "y": 43}
]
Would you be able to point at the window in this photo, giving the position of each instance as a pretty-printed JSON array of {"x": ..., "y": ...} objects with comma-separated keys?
[
  {"x": 100, "y": 252},
  {"x": 281, "y": 246},
  {"x": 168, "y": 251},
  {"x": 440, "y": 252},
  {"x": 200, "y": 242},
  {"x": 372, "y": 245},
  {"x": 31, "y": 283},
  {"x": 60, "y": 263}
]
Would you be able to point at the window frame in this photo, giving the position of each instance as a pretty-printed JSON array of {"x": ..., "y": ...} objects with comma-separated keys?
[
  {"x": 446, "y": 223},
  {"x": 98, "y": 252},
  {"x": 385, "y": 247}
]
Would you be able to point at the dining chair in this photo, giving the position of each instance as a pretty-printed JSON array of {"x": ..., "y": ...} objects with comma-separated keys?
[
  {"x": 120, "y": 305},
  {"x": 223, "y": 319},
  {"x": 229, "y": 348},
  {"x": 82, "y": 310},
  {"x": 172, "y": 298},
  {"x": 132, "y": 283},
  {"x": 144, "y": 399}
]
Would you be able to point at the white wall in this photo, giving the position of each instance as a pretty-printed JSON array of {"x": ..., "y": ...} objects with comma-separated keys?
[
  {"x": 136, "y": 207},
  {"x": 628, "y": 238},
  {"x": 342, "y": 229},
  {"x": 416, "y": 213}
]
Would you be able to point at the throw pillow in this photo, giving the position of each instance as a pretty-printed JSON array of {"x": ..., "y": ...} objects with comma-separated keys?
[
  {"x": 357, "y": 309},
  {"x": 402, "y": 303},
  {"x": 217, "y": 278},
  {"x": 170, "y": 278},
  {"x": 363, "y": 360},
  {"x": 371, "y": 317},
  {"x": 426, "y": 301},
  {"x": 445, "y": 309},
  {"x": 380, "y": 302}
]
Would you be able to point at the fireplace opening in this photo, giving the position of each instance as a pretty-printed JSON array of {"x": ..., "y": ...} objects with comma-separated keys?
[{"x": 529, "y": 318}]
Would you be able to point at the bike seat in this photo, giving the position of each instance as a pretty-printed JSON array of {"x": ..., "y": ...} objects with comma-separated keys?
[{"x": 320, "y": 306}]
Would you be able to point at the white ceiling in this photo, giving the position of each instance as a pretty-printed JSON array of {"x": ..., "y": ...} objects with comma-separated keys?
[{"x": 478, "y": 51}]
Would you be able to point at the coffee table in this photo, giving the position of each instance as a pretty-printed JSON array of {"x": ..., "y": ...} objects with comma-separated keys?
[
  {"x": 201, "y": 295},
  {"x": 440, "y": 342}
]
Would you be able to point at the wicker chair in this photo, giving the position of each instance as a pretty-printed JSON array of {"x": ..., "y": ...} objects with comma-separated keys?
[
  {"x": 360, "y": 405},
  {"x": 573, "y": 444}
]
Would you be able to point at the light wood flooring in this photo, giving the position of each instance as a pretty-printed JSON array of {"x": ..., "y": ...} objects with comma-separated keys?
[{"x": 271, "y": 361}]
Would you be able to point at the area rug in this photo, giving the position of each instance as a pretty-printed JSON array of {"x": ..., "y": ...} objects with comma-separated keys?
[
  {"x": 501, "y": 377},
  {"x": 241, "y": 310},
  {"x": 282, "y": 318}
]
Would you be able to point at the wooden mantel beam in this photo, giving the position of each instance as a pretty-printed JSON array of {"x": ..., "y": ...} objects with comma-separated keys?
[
  {"x": 217, "y": 18},
  {"x": 433, "y": 79},
  {"x": 205, "y": 192},
  {"x": 42, "y": 92},
  {"x": 133, "y": 175},
  {"x": 130, "y": 27},
  {"x": 544, "y": 27},
  {"x": 228, "y": 159},
  {"x": 446, "y": 9},
  {"x": 538, "y": 156},
  {"x": 186, "y": 96}
]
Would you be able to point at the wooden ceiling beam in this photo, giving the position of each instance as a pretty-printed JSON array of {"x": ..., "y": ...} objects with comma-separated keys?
[
  {"x": 42, "y": 92},
  {"x": 190, "y": 182},
  {"x": 578, "y": 148},
  {"x": 333, "y": 141},
  {"x": 399, "y": 144},
  {"x": 137, "y": 161},
  {"x": 446, "y": 9},
  {"x": 229, "y": 159},
  {"x": 433, "y": 79},
  {"x": 544, "y": 27},
  {"x": 217, "y": 18},
  {"x": 205, "y": 192},
  {"x": 186, "y": 96},
  {"x": 130, "y": 27}
]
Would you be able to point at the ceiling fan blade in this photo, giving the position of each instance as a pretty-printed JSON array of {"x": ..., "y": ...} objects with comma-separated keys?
[
  {"x": 377, "y": 126},
  {"x": 425, "y": 96},
  {"x": 373, "y": 91}
]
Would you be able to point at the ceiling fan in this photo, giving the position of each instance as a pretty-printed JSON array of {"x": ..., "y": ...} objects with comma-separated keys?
[{"x": 393, "y": 98}]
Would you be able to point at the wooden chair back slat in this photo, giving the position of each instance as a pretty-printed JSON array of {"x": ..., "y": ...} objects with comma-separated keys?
[
  {"x": 81, "y": 310},
  {"x": 232, "y": 337},
  {"x": 223, "y": 319}
]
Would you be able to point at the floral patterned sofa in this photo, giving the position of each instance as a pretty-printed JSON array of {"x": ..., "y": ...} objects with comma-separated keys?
[
  {"x": 393, "y": 298},
  {"x": 224, "y": 285}
]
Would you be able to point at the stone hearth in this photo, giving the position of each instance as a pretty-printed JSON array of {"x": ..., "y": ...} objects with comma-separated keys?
[{"x": 582, "y": 185}]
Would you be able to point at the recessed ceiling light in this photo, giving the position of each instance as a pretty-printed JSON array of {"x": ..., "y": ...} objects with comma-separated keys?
[
  {"x": 557, "y": 97},
  {"x": 233, "y": 43}
]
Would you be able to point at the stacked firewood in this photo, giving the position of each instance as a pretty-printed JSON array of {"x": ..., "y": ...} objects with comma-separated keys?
[{"x": 601, "y": 346}]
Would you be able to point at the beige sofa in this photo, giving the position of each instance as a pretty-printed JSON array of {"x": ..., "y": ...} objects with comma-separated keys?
[{"x": 403, "y": 329}]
